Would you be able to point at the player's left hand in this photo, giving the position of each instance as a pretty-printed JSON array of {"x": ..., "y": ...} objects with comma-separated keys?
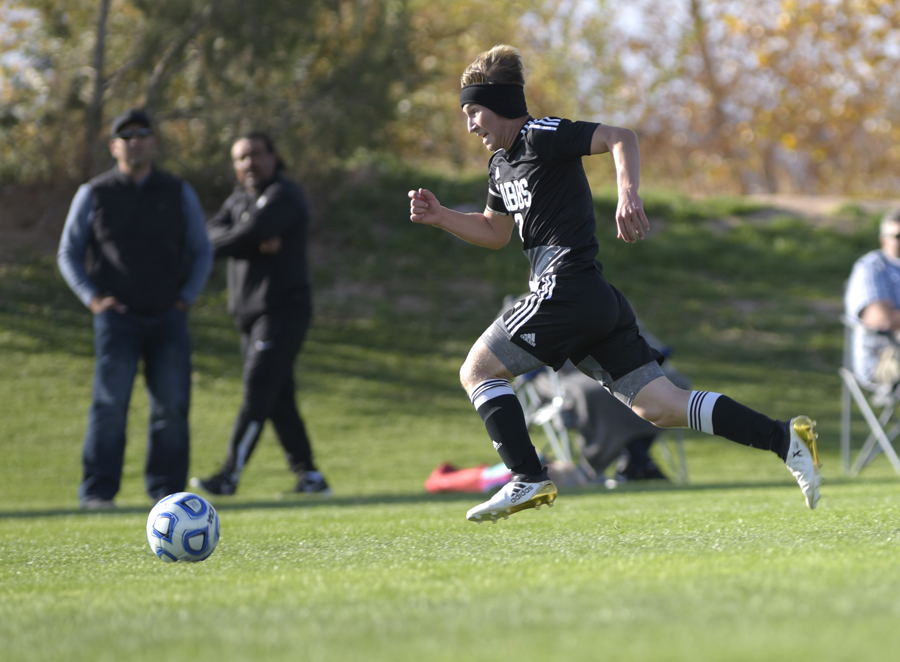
[{"x": 631, "y": 222}]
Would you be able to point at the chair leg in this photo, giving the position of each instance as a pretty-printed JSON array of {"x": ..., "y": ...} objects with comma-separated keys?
[
  {"x": 846, "y": 404},
  {"x": 875, "y": 425},
  {"x": 870, "y": 450},
  {"x": 558, "y": 436},
  {"x": 677, "y": 463}
]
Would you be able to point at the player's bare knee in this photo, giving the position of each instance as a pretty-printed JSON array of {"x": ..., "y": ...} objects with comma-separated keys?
[
  {"x": 660, "y": 416},
  {"x": 473, "y": 372},
  {"x": 465, "y": 376},
  {"x": 469, "y": 375}
]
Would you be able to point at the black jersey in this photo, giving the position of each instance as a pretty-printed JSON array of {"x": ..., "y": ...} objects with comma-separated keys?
[{"x": 541, "y": 182}]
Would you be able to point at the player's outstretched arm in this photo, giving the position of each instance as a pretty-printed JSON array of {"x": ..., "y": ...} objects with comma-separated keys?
[
  {"x": 487, "y": 229},
  {"x": 631, "y": 221}
]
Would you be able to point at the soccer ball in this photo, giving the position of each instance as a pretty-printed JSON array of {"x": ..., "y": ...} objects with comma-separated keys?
[{"x": 183, "y": 527}]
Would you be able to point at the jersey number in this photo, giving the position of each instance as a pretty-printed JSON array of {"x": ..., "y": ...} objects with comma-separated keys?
[{"x": 520, "y": 223}]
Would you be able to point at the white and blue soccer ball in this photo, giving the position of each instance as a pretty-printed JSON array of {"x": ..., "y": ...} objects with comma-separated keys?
[{"x": 183, "y": 527}]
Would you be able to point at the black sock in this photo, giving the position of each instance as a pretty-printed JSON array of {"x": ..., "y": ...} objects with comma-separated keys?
[
  {"x": 741, "y": 424},
  {"x": 504, "y": 421}
]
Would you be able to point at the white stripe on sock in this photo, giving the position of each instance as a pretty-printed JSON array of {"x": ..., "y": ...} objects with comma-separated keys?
[
  {"x": 488, "y": 390},
  {"x": 700, "y": 409}
]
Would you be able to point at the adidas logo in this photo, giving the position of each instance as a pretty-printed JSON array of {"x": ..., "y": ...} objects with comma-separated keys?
[
  {"x": 521, "y": 493},
  {"x": 529, "y": 338},
  {"x": 497, "y": 445}
]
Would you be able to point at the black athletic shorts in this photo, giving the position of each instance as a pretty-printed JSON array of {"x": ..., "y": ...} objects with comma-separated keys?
[{"x": 575, "y": 317}]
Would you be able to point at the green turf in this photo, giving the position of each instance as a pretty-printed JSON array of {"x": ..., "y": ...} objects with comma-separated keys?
[
  {"x": 730, "y": 566},
  {"x": 713, "y": 573}
]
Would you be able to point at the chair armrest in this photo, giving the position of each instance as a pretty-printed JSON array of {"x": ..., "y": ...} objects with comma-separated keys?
[{"x": 856, "y": 323}]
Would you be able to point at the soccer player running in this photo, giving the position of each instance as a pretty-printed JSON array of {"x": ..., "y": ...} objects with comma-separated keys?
[{"x": 537, "y": 186}]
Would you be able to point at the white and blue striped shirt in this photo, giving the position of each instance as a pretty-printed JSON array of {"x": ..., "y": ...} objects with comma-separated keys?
[{"x": 875, "y": 277}]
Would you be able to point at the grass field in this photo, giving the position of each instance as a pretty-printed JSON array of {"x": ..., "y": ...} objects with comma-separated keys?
[{"x": 729, "y": 566}]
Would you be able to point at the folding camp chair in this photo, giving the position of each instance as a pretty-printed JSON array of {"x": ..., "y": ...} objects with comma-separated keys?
[
  {"x": 550, "y": 409},
  {"x": 868, "y": 398},
  {"x": 671, "y": 446},
  {"x": 545, "y": 412}
]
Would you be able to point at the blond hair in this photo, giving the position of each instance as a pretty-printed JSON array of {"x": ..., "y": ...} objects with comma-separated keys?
[{"x": 501, "y": 64}]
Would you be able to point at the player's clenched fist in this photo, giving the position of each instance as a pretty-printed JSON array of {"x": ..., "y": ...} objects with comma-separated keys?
[{"x": 423, "y": 207}]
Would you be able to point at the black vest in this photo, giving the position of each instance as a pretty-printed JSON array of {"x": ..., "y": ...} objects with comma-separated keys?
[{"x": 139, "y": 253}]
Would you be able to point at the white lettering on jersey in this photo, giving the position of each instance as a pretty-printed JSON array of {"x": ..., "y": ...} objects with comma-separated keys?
[
  {"x": 509, "y": 196},
  {"x": 516, "y": 195},
  {"x": 523, "y": 193}
]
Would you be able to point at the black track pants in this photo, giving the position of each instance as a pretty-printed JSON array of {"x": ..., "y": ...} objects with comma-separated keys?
[{"x": 269, "y": 345}]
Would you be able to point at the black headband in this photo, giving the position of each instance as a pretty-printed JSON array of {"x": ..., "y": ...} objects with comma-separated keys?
[{"x": 505, "y": 99}]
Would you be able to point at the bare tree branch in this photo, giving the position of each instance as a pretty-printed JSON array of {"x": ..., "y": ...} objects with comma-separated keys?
[
  {"x": 109, "y": 85},
  {"x": 95, "y": 110},
  {"x": 174, "y": 48},
  {"x": 712, "y": 82}
]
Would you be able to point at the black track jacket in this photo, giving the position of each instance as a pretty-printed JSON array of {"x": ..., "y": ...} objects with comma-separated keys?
[{"x": 260, "y": 283}]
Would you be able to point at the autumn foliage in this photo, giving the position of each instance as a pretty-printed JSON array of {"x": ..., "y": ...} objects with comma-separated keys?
[{"x": 731, "y": 95}]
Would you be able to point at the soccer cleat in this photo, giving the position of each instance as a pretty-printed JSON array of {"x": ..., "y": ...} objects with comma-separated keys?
[
  {"x": 803, "y": 458},
  {"x": 312, "y": 482},
  {"x": 220, "y": 484},
  {"x": 520, "y": 493}
]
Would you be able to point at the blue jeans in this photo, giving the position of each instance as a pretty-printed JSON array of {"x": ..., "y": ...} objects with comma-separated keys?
[{"x": 120, "y": 341}]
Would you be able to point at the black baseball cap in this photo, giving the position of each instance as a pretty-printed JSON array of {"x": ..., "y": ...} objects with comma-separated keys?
[{"x": 131, "y": 116}]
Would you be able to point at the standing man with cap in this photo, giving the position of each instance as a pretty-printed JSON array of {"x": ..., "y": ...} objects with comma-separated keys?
[
  {"x": 262, "y": 229},
  {"x": 149, "y": 259}
]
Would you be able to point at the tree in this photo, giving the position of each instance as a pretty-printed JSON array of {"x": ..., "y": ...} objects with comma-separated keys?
[
  {"x": 559, "y": 41},
  {"x": 768, "y": 95},
  {"x": 739, "y": 95},
  {"x": 322, "y": 74},
  {"x": 94, "y": 111}
]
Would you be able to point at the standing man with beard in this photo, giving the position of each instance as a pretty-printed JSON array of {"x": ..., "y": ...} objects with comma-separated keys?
[{"x": 262, "y": 230}]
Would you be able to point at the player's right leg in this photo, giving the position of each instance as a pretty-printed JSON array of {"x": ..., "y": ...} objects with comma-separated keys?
[{"x": 487, "y": 381}]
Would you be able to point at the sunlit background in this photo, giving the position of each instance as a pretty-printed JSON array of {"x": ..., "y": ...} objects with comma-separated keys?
[{"x": 738, "y": 96}]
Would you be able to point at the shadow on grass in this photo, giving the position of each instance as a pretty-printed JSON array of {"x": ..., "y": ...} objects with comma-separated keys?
[
  {"x": 285, "y": 503},
  {"x": 290, "y": 502}
]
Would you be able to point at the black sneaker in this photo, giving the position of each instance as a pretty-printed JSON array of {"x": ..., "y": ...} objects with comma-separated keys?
[
  {"x": 312, "y": 482},
  {"x": 220, "y": 484},
  {"x": 97, "y": 503}
]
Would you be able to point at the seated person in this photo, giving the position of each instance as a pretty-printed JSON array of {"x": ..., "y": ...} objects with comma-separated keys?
[
  {"x": 873, "y": 297},
  {"x": 611, "y": 434}
]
